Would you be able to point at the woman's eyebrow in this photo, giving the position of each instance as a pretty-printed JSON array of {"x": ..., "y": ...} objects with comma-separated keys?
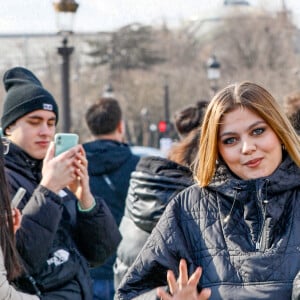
[{"x": 249, "y": 128}]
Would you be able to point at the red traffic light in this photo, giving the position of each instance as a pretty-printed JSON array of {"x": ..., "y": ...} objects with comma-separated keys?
[{"x": 162, "y": 126}]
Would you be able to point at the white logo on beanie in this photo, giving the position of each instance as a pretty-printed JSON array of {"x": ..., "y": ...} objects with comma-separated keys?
[{"x": 47, "y": 106}]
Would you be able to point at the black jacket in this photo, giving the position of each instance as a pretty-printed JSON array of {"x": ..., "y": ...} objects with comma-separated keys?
[
  {"x": 254, "y": 255},
  {"x": 110, "y": 166},
  {"x": 56, "y": 240},
  {"x": 155, "y": 181}
]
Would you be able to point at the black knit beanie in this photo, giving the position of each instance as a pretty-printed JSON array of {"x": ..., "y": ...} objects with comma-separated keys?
[{"x": 25, "y": 94}]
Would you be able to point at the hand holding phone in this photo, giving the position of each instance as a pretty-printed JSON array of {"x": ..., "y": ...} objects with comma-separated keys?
[{"x": 65, "y": 141}]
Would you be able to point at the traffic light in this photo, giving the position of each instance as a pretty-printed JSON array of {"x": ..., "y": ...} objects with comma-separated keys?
[{"x": 162, "y": 126}]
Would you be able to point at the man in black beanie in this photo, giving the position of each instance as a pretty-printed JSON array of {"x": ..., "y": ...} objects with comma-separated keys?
[
  {"x": 25, "y": 94},
  {"x": 62, "y": 229}
]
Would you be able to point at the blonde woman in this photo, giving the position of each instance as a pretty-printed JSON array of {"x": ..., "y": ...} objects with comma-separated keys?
[{"x": 240, "y": 222}]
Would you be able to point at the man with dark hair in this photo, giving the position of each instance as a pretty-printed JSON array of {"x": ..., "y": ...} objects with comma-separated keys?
[
  {"x": 110, "y": 165},
  {"x": 107, "y": 113},
  {"x": 62, "y": 229}
]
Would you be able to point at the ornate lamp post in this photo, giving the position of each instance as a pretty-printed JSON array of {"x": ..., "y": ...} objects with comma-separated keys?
[
  {"x": 213, "y": 72},
  {"x": 65, "y": 11}
]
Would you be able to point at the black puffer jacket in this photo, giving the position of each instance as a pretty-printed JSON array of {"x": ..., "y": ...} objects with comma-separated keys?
[
  {"x": 254, "y": 255},
  {"x": 155, "y": 181},
  {"x": 55, "y": 239}
]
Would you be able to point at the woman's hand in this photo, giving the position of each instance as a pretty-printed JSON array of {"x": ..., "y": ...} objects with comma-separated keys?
[
  {"x": 184, "y": 288},
  {"x": 17, "y": 218}
]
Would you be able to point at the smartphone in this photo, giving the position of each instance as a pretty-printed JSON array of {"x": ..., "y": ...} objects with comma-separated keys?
[
  {"x": 65, "y": 141},
  {"x": 18, "y": 197}
]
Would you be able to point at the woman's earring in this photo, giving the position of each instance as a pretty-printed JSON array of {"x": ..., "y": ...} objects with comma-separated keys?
[{"x": 283, "y": 147}]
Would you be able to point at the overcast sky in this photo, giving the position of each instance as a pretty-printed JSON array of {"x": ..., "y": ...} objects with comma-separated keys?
[{"x": 36, "y": 16}]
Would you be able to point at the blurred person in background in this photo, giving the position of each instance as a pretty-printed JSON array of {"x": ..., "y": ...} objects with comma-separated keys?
[
  {"x": 153, "y": 184},
  {"x": 189, "y": 118},
  {"x": 188, "y": 126},
  {"x": 110, "y": 165},
  {"x": 185, "y": 120}
]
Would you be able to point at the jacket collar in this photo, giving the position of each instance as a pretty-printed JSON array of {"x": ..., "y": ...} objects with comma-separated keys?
[
  {"x": 285, "y": 177},
  {"x": 18, "y": 159},
  {"x": 106, "y": 156}
]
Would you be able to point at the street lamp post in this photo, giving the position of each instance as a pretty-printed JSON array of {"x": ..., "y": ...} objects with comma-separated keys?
[
  {"x": 167, "y": 106},
  {"x": 65, "y": 53},
  {"x": 166, "y": 103},
  {"x": 65, "y": 10},
  {"x": 145, "y": 126},
  {"x": 213, "y": 72}
]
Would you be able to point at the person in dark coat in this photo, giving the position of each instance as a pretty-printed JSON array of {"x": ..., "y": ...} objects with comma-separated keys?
[
  {"x": 153, "y": 184},
  {"x": 240, "y": 221},
  {"x": 110, "y": 165},
  {"x": 63, "y": 230}
]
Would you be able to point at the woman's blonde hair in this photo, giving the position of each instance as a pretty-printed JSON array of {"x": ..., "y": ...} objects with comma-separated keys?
[{"x": 255, "y": 98}]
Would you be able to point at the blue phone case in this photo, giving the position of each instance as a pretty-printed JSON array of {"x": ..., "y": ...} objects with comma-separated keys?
[{"x": 65, "y": 141}]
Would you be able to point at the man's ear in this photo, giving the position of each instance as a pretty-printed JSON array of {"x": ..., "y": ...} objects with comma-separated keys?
[
  {"x": 121, "y": 131},
  {"x": 9, "y": 129},
  {"x": 121, "y": 127}
]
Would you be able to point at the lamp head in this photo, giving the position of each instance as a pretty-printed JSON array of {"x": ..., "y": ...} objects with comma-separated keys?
[{"x": 65, "y": 11}]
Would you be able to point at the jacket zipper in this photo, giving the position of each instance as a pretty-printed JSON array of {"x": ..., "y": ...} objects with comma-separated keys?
[
  {"x": 260, "y": 245},
  {"x": 261, "y": 241}
]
